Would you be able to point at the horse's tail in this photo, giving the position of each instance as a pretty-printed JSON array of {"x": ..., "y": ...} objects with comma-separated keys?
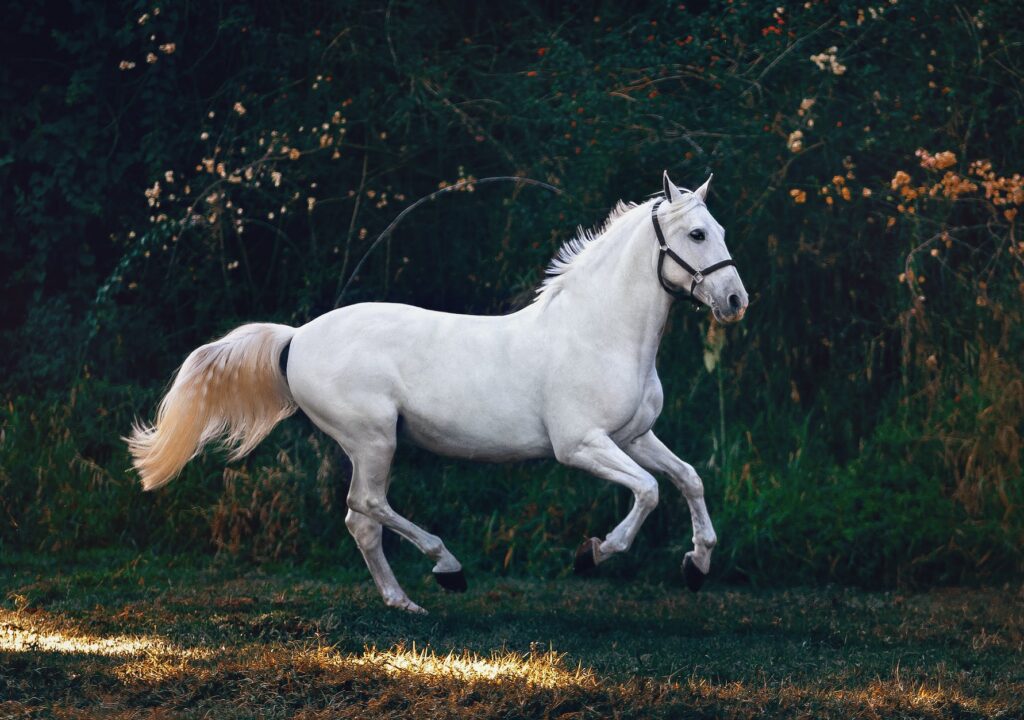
[{"x": 232, "y": 390}]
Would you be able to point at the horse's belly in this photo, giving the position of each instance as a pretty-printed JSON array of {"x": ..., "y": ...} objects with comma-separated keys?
[{"x": 476, "y": 435}]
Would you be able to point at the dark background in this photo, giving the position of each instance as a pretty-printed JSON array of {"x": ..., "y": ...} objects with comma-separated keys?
[{"x": 170, "y": 172}]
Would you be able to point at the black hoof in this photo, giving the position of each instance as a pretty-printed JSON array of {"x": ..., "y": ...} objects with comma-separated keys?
[
  {"x": 452, "y": 581},
  {"x": 586, "y": 557},
  {"x": 692, "y": 574}
]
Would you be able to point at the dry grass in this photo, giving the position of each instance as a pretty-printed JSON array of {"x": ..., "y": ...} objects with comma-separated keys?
[{"x": 142, "y": 640}]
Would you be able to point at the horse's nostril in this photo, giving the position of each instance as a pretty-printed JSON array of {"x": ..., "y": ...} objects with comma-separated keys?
[{"x": 734, "y": 303}]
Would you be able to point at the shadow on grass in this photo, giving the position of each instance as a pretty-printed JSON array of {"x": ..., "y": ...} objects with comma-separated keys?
[{"x": 224, "y": 642}]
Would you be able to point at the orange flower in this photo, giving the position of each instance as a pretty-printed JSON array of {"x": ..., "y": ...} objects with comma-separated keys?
[{"x": 939, "y": 161}]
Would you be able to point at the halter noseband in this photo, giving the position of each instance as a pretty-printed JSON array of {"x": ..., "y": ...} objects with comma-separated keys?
[{"x": 697, "y": 275}]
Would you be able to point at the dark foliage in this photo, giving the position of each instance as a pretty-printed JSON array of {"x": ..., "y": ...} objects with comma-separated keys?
[{"x": 170, "y": 172}]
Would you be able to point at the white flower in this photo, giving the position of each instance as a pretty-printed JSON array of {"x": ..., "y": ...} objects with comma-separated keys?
[
  {"x": 795, "y": 143},
  {"x": 827, "y": 61}
]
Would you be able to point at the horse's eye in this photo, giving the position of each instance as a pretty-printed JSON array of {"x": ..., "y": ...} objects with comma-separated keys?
[{"x": 697, "y": 235}]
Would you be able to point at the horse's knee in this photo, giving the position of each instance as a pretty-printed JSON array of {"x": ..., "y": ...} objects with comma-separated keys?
[
  {"x": 690, "y": 483},
  {"x": 647, "y": 495}
]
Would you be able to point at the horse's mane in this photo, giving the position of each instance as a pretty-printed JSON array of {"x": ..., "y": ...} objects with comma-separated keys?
[
  {"x": 572, "y": 251},
  {"x": 575, "y": 247}
]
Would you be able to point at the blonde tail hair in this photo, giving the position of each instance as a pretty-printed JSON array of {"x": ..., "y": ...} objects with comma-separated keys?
[{"x": 231, "y": 390}]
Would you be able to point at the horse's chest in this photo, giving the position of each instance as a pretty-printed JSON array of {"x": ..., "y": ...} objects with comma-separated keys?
[{"x": 638, "y": 416}]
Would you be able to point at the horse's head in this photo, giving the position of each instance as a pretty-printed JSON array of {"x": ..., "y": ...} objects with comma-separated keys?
[{"x": 693, "y": 253}]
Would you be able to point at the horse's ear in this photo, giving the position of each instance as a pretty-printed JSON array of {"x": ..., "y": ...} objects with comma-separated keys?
[
  {"x": 671, "y": 191},
  {"x": 702, "y": 191}
]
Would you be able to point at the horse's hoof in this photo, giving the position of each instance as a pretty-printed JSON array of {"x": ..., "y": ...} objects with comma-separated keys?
[
  {"x": 452, "y": 581},
  {"x": 405, "y": 605},
  {"x": 692, "y": 574},
  {"x": 586, "y": 557}
]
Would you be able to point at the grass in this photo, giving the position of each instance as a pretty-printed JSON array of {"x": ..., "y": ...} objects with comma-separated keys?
[{"x": 116, "y": 635}]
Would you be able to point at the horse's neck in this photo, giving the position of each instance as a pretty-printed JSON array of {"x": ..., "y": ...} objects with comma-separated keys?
[{"x": 619, "y": 295}]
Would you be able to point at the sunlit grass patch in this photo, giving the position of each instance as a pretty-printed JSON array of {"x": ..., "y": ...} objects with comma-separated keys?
[
  {"x": 544, "y": 669},
  {"x": 17, "y": 639},
  {"x": 879, "y": 698},
  {"x": 36, "y": 632},
  {"x": 927, "y": 698}
]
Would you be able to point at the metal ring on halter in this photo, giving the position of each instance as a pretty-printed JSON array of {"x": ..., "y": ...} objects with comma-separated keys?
[{"x": 697, "y": 275}]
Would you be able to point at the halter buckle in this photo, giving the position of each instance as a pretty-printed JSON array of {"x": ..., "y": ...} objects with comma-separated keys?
[{"x": 698, "y": 278}]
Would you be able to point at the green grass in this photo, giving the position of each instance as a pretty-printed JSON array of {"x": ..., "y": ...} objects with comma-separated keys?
[{"x": 118, "y": 635}]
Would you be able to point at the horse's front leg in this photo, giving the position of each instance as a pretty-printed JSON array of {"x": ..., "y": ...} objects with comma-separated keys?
[
  {"x": 599, "y": 455},
  {"x": 651, "y": 453}
]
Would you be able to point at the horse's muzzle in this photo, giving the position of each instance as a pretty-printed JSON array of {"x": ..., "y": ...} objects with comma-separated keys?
[{"x": 732, "y": 310}]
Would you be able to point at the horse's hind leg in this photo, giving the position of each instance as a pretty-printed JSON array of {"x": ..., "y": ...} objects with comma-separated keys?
[
  {"x": 371, "y": 465},
  {"x": 367, "y": 533}
]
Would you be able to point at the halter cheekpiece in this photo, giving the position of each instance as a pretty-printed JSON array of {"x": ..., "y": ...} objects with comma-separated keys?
[{"x": 697, "y": 275}]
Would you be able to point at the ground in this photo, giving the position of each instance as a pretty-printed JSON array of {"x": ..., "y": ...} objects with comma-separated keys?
[{"x": 115, "y": 635}]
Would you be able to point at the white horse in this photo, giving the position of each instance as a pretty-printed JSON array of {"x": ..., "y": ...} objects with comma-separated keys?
[{"x": 572, "y": 376}]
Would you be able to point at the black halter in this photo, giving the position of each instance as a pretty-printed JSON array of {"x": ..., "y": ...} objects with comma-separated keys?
[{"x": 697, "y": 275}]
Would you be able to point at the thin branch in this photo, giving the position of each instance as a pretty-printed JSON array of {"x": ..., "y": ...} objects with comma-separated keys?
[
  {"x": 787, "y": 51},
  {"x": 450, "y": 188},
  {"x": 468, "y": 122},
  {"x": 339, "y": 290}
]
